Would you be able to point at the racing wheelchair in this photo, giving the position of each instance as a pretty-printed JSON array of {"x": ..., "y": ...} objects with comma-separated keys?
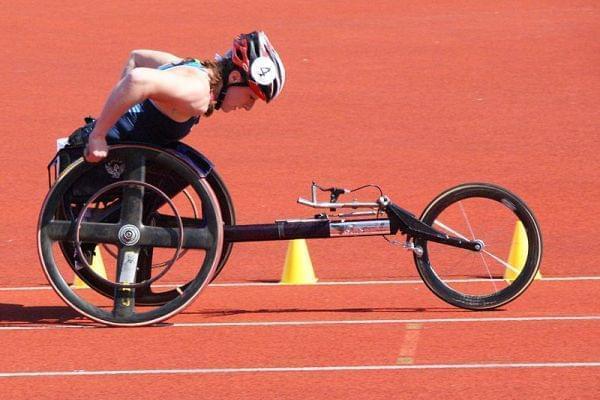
[{"x": 164, "y": 213}]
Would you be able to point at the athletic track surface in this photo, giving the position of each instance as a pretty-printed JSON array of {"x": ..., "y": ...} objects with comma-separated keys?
[{"x": 414, "y": 96}]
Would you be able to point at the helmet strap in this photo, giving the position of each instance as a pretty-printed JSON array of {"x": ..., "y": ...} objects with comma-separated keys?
[
  {"x": 223, "y": 92},
  {"x": 221, "y": 97},
  {"x": 227, "y": 85}
]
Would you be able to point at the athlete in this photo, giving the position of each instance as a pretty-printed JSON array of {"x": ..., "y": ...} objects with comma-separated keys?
[{"x": 161, "y": 96}]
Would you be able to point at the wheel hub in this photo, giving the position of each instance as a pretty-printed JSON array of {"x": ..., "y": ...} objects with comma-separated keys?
[
  {"x": 129, "y": 235},
  {"x": 480, "y": 245}
]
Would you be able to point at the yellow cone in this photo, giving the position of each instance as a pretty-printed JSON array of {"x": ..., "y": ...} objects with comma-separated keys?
[
  {"x": 298, "y": 269},
  {"x": 518, "y": 254},
  {"x": 97, "y": 266}
]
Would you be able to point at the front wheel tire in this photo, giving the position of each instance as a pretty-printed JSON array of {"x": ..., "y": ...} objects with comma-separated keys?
[{"x": 512, "y": 250}]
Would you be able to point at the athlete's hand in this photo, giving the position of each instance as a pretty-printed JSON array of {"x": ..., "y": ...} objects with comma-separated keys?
[{"x": 96, "y": 149}]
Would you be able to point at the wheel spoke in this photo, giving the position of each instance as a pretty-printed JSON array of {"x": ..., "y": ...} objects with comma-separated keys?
[
  {"x": 462, "y": 209},
  {"x": 133, "y": 207},
  {"x": 487, "y": 268},
  {"x": 95, "y": 232},
  {"x": 466, "y": 218},
  {"x": 133, "y": 195},
  {"x": 144, "y": 270},
  {"x": 454, "y": 232},
  {"x": 501, "y": 261},
  {"x": 124, "y": 302},
  {"x": 135, "y": 167},
  {"x": 86, "y": 208},
  {"x": 193, "y": 238}
]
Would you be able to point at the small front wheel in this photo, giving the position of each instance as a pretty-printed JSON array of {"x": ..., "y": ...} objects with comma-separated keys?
[{"x": 509, "y": 260}]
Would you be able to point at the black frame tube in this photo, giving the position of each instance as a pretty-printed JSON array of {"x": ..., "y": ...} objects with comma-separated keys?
[
  {"x": 280, "y": 230},
  {"x": 398, "y": 220}
]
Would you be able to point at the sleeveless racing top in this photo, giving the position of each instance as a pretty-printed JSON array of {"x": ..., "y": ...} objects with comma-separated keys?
[{"x": 145, "y": 123}]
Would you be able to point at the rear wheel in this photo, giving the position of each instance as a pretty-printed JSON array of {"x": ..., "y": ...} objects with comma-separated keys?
[
  {"x": 137, "y": 219},
  {"x": 187, "y": 204}
]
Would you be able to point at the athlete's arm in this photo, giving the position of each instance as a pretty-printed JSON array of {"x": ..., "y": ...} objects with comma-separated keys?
[
  {"x": 148, "y": 59},
  {"x": 184, "y": 89}
]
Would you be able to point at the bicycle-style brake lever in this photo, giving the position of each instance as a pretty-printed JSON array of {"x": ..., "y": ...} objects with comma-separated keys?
[{"x": 336, "y": 192}]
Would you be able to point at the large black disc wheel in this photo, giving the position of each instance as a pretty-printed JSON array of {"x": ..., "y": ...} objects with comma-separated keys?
[
  {"x": 130, "y": 204},
  {"x": 510, "y": 258},
  {"x": 174, "y": 186}
]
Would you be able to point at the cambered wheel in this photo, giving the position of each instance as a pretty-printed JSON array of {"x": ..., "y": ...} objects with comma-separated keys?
[
  {"x": 174, "y": 186},
  {"x": 512, "y": 247},
  {"x": 133, "y": 205}
]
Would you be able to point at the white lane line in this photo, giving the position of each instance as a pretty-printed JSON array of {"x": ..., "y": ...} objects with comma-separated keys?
[
  {"x": 316, "y": 322},
  {"x": 37, "y": 374},
  {"x": 334, "y": 283},
  {"x": 46, "y": 327},
  {"x": 383, "y": 321}
]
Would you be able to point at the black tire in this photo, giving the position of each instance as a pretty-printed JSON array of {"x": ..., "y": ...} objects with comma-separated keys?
[
  {"x": 149, "y": 297},
  {"x": 479, "y": 280},
  {"x": 227, "y": 212},
  {"x": 54, "y": 229}
]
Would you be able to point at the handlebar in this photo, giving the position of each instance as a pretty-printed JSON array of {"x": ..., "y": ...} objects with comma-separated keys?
[{"x": 380, "y": 203}]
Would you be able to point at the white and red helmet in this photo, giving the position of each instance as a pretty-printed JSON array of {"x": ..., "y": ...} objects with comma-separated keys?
[{"x": 258, "y": 62}]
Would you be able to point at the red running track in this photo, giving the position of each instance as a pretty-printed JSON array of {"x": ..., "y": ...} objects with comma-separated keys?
[
  {"x": 413, "y": 96},
  {"x": 347, "y": 336}
]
